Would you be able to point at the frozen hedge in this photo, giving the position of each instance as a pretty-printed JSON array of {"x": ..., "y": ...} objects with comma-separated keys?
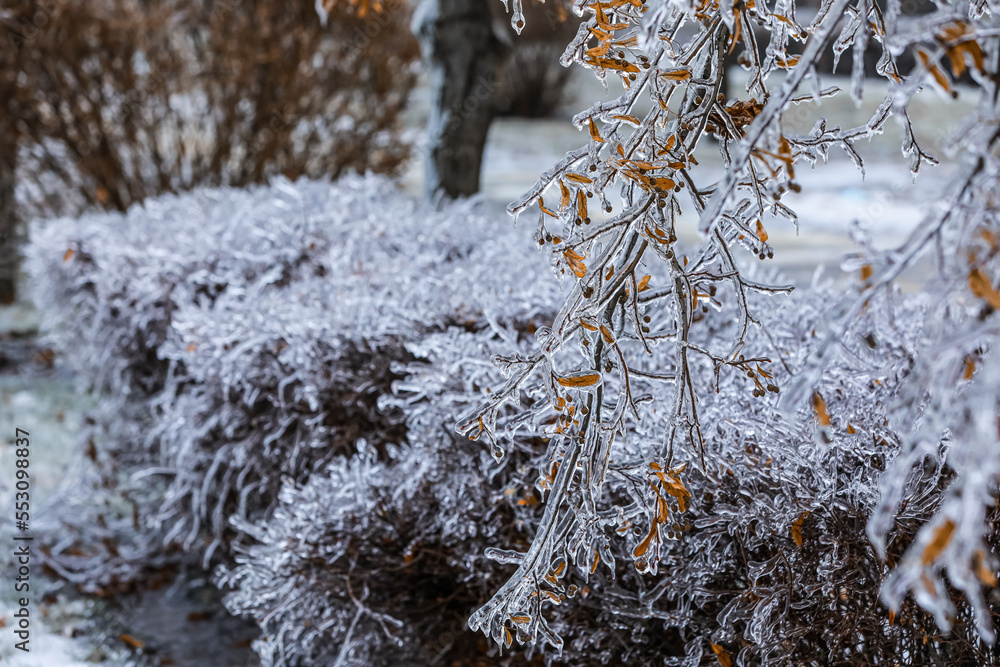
[
  {"x": 287, "y": 364},
  {"x": 764, "y": 559},
  {"x": 242, "y": 336}
]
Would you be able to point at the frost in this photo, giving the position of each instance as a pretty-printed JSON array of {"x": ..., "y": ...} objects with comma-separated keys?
[
  {"x": 676, "y": 458},
  {"x": 245, "y": 337}
]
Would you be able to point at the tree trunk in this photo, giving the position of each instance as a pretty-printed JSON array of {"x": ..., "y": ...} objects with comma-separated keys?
[
  {"x": 8, "y": 218},
  {"x": 463, "y": 56}
]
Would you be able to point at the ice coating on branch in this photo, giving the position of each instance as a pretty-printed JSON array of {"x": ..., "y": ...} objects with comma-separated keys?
[{"x": 655, "y": 358}]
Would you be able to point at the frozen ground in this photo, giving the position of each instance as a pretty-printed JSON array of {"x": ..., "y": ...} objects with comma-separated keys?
[{"x": 178, "y": 623}]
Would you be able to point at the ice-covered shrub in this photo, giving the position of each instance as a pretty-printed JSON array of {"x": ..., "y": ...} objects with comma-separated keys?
[
  {"x": 379, "y": 559},
  {"x": 761, "y": 556},
  {"x": 255, "y": 330}
]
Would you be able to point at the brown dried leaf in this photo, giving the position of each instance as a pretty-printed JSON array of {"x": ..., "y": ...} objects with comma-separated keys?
[
  {"x": 796, "y": 529},
  {"x": 983, "y": 570},
  {"x": 577, "y": 178},
  {"x": 761, "y": 232},
  {"x": 575, "y": 261},
  {"x": 969, "y": 369},
  {"x": 586, "y": 380},
  {"x": 677, "y": 75},
  {"x": 644, "y": 545},
  {"x": 819, "y": 405},
  {"x": 981, "y": 287},
  {"x": 594, "y": 134},
  {"x": 722, "y": 656},
  {"x": 942, "y": 536}
]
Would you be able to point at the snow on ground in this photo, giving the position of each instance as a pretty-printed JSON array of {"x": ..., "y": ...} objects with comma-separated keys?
[
  {"x": 42, "y": 400},
  {"x": 887, "y": 202}
]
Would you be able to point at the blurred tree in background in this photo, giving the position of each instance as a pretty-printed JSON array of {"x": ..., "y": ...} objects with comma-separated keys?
[{"x": 477, "y": 75}]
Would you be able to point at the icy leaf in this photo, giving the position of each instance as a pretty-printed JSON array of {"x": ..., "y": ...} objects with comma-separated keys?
[
  {"x": 722, "y": 656},
  {"x": 819, "y": 406},
  {"x": 594, "y": 134},
  {"x": 942, "y": 536},
  {"x": 761, "y": 232},
  {"x": 981, "y": 287},
  {"x": 579, "y": 380},
  {"x": 575, "y": 262}
]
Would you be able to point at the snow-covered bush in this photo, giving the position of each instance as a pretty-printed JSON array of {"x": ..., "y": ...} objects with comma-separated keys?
[
  {"x": 761, "y": 556},
  {"x": 240, "y": 337}
]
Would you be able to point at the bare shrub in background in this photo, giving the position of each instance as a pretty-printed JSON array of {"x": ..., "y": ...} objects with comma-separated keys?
[{"x": 118, "y": 100}]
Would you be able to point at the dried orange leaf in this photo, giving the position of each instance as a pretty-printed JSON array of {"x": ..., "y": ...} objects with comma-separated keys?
[
  {"x": 677, "y": 75},
  {"x": 722, "y": 656},
  {"x": 594, "y": 134},
  {"x": 69, "y": 255},
  {"x": 761, "y": 232},
  {"x": 643, "y": 284},
  {"x": 541, "y": 206},
  {"x": 983, "y": 571},
  {"x": 796, "y": 529},
  {"x": 819, "y": 405},
  {"x": 577, "y": 178},
  {"x": 866, "y": 272},
  {"x": 940, "y": 540},
  {"x": 935, "y": 71},
  {"x": 981, "y": 287},
  {"x": 585, "y": 380},
  {"x": 575, "y": 262},
  {"x": 564, "y": 200},
  {"x": 132, "y": 641},
  {"x": 630, "y": 119},
  {"x": 644, "y": 545},
  {"x": 970, "y": 368}
]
